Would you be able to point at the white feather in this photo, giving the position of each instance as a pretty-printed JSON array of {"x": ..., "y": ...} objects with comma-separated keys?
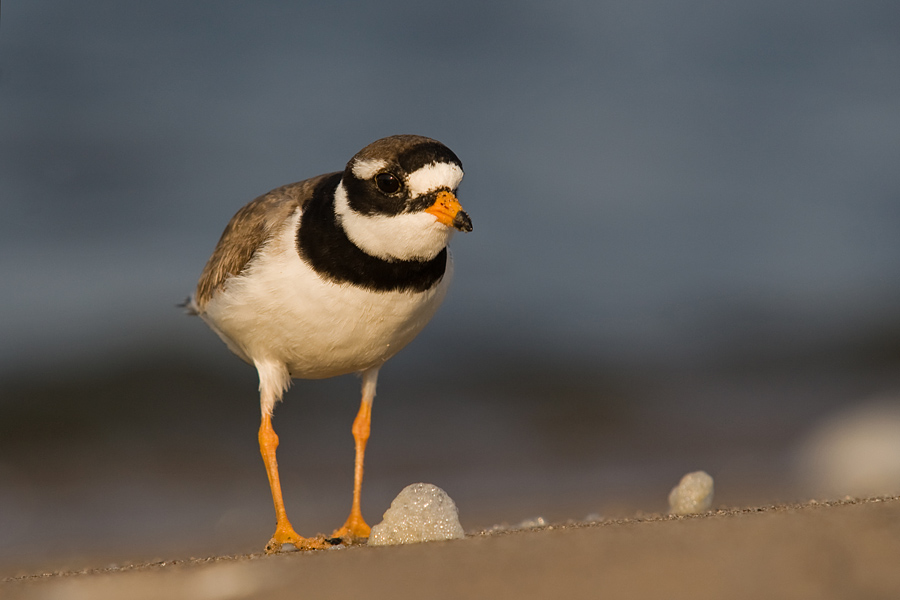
[
  {"x": 368, "y": 168},
  {"x": 406, "y": 236},
  {"x": 274, "y": 380},
  {"x": 280, "y": 312},
  {"x": 432, "y": 177}
]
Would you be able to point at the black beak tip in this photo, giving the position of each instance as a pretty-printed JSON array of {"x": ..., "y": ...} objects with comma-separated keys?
[{"x": 462, "y": 221}]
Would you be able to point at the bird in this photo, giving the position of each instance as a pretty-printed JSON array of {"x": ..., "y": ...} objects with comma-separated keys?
[{"x": 334, "y": 275}]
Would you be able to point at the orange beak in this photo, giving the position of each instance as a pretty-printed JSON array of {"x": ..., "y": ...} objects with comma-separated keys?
[{"x": 449, "y": 211}]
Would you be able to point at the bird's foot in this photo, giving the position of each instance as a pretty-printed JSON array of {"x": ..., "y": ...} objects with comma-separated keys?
[
  {"x": 354, "y": 531},
  {"x": 286, "y": 535}
]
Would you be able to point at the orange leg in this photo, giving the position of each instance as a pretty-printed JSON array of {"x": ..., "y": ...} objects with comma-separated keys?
[
  {"x": 284, "y": 531},
  {"x": 355, "y": 528}
]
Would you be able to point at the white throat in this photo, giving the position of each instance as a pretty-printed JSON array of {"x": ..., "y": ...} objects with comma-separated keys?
[{"x": 407, "y": 236}]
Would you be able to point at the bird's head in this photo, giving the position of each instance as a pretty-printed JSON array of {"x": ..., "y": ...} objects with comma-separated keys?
[{"x": 397, "y": 198}]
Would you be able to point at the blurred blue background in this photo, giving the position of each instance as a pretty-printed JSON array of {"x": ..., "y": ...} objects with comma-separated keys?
[{"x": 685, "y": 252}]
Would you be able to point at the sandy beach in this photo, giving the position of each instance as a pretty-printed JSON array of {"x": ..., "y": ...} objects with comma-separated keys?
[
  {"x": 684, "y": 257},
  {"x": 837, "y": 549}
]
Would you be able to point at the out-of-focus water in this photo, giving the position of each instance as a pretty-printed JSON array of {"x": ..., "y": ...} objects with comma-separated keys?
[{"x": 685, "y": 251}]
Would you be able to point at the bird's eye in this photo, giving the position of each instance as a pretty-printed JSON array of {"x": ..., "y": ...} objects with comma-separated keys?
[{"x": 387, "y": 183}]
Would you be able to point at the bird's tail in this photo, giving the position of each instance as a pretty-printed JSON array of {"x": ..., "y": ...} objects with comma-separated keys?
[{"x": 190, "y": 306}]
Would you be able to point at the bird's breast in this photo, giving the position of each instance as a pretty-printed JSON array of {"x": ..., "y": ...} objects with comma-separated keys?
[{"x": 280, "y": 308}]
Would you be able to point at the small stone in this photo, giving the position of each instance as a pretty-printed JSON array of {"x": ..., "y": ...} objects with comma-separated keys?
[
  {"x": 693, "y": 494},
  {"x": 420, "y": 513},
  {"x": 855, "y": 452},
  {"x": 534, "y": 523}
]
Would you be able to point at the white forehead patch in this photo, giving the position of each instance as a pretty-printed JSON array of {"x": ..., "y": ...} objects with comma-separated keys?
[
  {"x": 367, "y": 168},
  {"x": 434, "y": 176}
]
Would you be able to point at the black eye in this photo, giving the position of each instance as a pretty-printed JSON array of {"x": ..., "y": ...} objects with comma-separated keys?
[{"x": 387, "y": 183}]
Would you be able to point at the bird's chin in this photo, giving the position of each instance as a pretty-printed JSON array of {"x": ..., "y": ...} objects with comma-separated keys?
[
  {"x": 426, "y": 246},
  {"x": 408, "y": 236}
]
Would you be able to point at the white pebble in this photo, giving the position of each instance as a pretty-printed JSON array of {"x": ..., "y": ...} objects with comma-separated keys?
[
  {"x": 854, "y": 452},
  {"x": 420, "y": 513},
  {"x": 693, "y": 494},
  {"x": 534, "y": 523}
]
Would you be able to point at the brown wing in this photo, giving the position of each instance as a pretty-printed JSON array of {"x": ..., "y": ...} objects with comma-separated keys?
[{"x": 247, "y": 231}]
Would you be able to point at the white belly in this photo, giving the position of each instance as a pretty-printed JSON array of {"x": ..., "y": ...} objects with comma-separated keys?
[{"x": 279, "y": 310}]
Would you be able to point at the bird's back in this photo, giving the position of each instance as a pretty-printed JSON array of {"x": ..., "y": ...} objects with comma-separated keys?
[{"x": 247, "y": 231}]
